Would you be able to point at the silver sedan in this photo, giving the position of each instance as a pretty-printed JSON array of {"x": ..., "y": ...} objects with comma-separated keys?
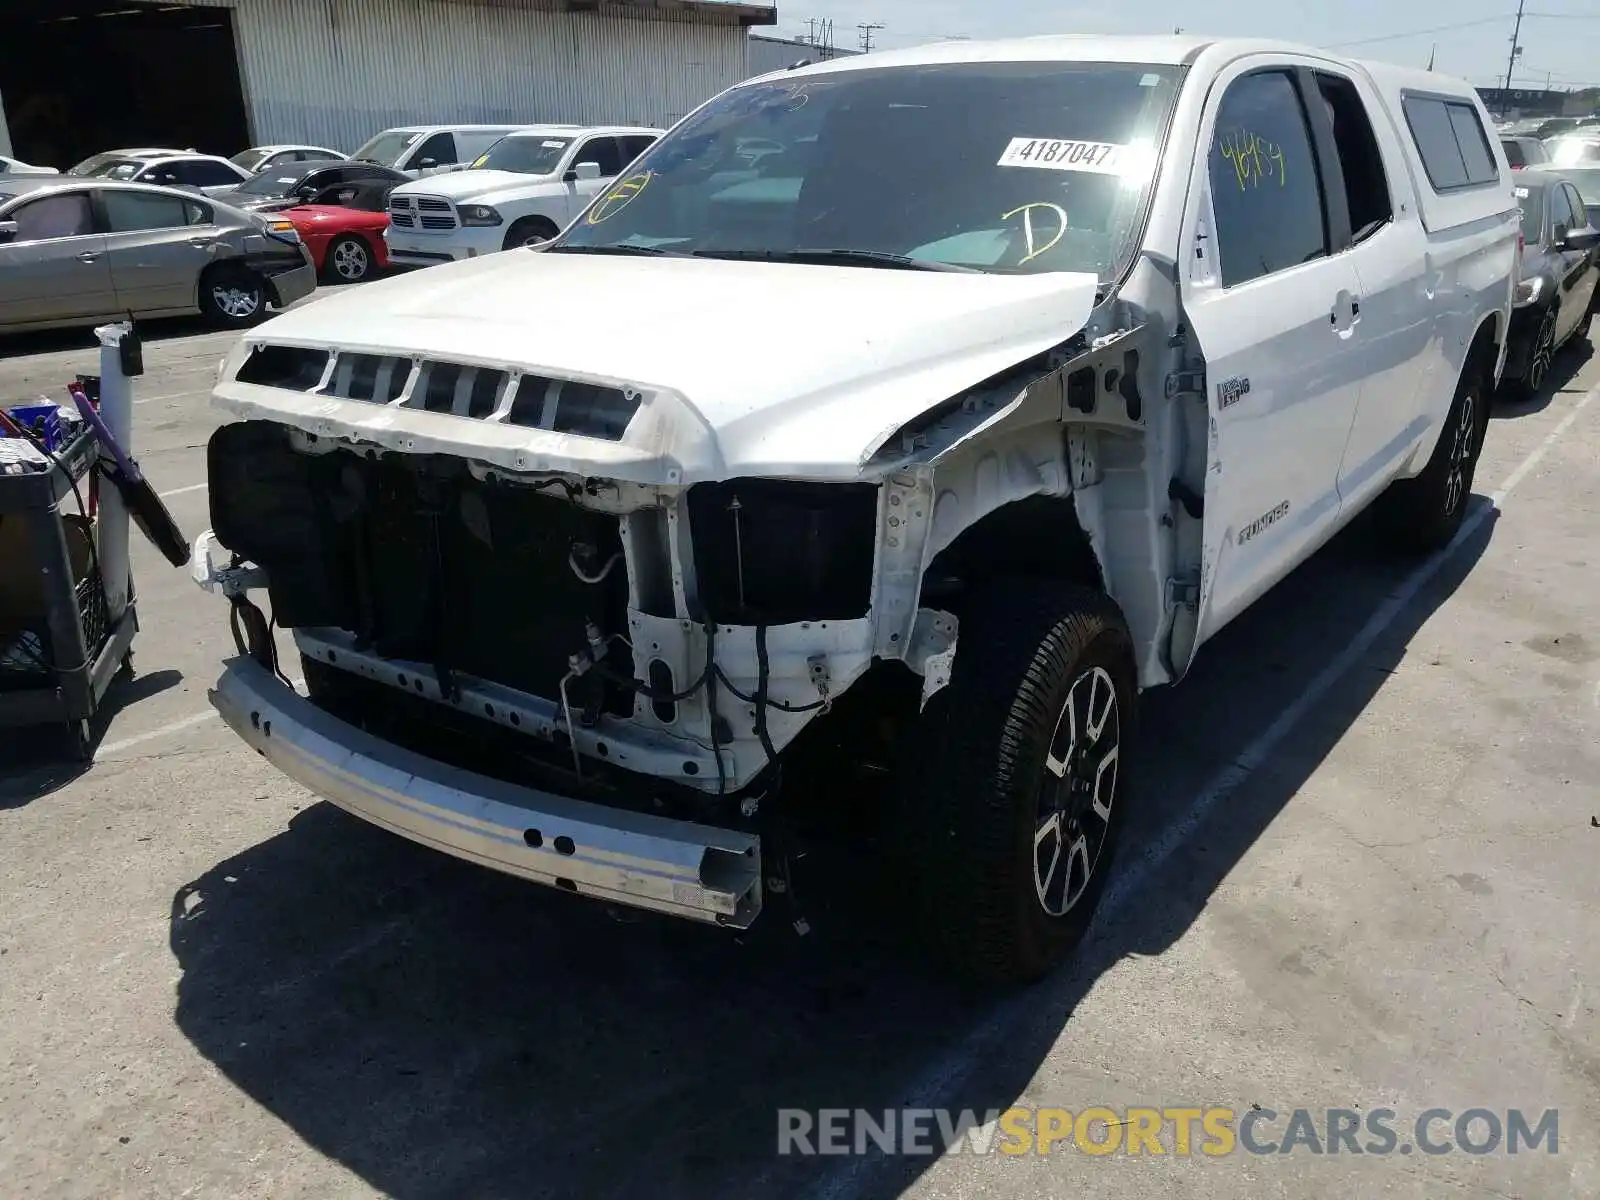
[{"x": 78, "y": 251}]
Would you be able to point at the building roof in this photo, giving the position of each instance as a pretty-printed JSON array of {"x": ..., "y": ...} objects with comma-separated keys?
[{"x": 705, "y": 12}]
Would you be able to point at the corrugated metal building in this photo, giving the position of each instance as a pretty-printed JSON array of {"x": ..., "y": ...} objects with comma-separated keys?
[
  {"x": 779, "y": 54},
  {"x": 333, "y": 72}
]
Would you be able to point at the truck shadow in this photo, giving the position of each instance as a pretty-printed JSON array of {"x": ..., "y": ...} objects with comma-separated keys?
[{"x": 443, "y": 1031}]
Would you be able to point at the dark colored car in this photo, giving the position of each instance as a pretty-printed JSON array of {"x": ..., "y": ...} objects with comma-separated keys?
[
  {"x": 1524, "y": 151},
  {"x": 273, "y": 191},
  {"x": 1556, "y": 278}
]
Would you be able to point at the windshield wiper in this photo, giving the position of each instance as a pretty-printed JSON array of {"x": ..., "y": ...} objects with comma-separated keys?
[
  {"x": 824, "y": 255},
  {"x": 650, "y": 250}
]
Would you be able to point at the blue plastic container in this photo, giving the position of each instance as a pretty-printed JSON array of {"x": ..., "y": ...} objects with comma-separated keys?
[{"x": 41, "y": 420}]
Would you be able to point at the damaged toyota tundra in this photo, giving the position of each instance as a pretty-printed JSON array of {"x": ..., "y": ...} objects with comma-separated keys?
[{"x": 906, "y": 415}]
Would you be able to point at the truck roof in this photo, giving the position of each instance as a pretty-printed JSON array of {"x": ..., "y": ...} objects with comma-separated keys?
[{"x": 1167, "y": 49}]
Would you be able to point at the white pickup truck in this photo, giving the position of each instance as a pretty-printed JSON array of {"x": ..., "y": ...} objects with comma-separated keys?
[
  {"x": 587, "y": 549},
  {"x": 521, "y": 191}
]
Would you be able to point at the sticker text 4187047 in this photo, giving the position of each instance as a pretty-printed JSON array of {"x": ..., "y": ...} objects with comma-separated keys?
[{"x": 1055, "y": 154}]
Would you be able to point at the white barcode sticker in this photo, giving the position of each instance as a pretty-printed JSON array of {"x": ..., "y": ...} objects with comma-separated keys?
[{"x": 1055, "y": 154}]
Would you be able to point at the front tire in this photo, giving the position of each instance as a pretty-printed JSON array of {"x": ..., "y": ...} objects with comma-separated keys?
[
  {"x": 1541, "y": 354},
  {"x": 1422, "y": 515},
  {"x": 528, "y": 231},
  {"x": 233, "y": 297},
  {"x": 1008, "y": 819},
  {"x": 349, "y": 260}
]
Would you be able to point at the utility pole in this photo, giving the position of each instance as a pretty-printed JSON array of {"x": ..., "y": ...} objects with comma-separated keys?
[
  {"x": 1516, "y": 51},
  {"x": 811, "y": 31},
  {"x": 867, "y": 28}
]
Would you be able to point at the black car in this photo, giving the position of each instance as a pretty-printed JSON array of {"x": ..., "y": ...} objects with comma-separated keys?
[
  {"x": 1557, "y": 277},
  {"x": 275, "y": 190}
]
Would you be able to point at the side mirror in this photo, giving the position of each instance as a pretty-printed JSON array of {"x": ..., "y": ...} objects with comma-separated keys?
[
  {"x": 305, "y": 193},
  {"x": 427, "y": 164},
  {"x": 8, "y": 230},
  {"x": 1581, "y": 239},
  {"x": 583, "y": 170}
]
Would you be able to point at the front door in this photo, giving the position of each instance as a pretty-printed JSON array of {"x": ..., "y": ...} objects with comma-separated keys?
[
  {"x": 157, "y": 244},
  {"x": 54, "y": 267},
  {"x": 1274, "y": 313}
]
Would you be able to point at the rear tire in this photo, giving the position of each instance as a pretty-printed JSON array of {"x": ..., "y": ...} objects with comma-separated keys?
[
  {"x": 1008, "y": 817},
  {"x": 529, "y": 230},
  {"x": 233, "y": 297},
  {"x": 1422, "y": 514}
]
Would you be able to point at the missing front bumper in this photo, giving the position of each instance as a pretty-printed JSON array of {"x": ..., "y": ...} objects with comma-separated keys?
[{"x": 680, "y": 868}]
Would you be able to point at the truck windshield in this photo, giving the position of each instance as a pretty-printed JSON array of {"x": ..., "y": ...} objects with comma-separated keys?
[
  {"x": 386, "y": 148},
  {"x": 1011, "y": 167},
  {"x": 525, "y": 154}
]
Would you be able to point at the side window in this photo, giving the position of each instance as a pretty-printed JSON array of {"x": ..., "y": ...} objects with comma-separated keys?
[
  {"x": 441, "y": 147},
  {"x": 131, "y": 212},
  {"x": 209, "y": 174},
  {"x": 160, "y": 176},
  {"x": 1560, "y": 209},
  {"x": 633, "y": 147},
  {"x": 1366, "y": 186},
  {"x": 1450, "y": 138},
  {"x": 1265, "y": 190},
  {"x": 1580, "y": 211},
  {"x": 1515, "y": 158},
  {"x": 53, "y": 217},
  {"x": 602, "y": 150}
]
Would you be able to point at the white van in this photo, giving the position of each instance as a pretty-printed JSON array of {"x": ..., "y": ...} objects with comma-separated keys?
[{"x": 420, "y": 150}]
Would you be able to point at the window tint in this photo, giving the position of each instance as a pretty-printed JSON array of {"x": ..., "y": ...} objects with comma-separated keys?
[
  {"x": 602, "y": 150},
  {"x": 1265, "y": 190},
  {"x": 128, "y": 212},
  {"x": 636, "y": 145},
  {"x": 441, "y": 147},
  {"x": 1514, "y": 155},
  {"x": 1580, "y": 211},
  {"x": 1366, "y": 187},
  {"x": 53, "y": 217},
  {"x": 1450, "y": 138},
  {"x": 1560, "y": 209}
]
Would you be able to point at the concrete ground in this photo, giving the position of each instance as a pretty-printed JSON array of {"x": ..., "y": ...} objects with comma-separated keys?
[{"x": 1363, "y": 876}]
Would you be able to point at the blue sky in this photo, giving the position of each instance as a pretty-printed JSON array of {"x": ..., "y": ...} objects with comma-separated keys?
[{"x": 1473, "y": 36}]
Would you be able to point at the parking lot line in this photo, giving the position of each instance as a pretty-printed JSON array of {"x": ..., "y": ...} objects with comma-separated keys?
[
  {"x": 855, "y": 1175},
  {"x": 193, "y": 487}
]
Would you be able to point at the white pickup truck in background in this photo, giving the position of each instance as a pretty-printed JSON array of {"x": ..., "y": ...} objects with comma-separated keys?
[
  {"x": 1000, "y": 380},
  {"x": 522, "y": 190}
]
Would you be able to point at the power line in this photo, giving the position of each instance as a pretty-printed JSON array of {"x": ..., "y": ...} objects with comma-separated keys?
[
  {"x": 1413, "y": 33},
  {"x": 867, "y": 28}
]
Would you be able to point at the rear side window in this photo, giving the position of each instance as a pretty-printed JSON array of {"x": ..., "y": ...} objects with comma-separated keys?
[
  {"x": 1266, "y": 191},
  {"x": 1451, "y": 141},
  {"x": 131, "y": 212},
  {"x": 1514, "y": 155}
]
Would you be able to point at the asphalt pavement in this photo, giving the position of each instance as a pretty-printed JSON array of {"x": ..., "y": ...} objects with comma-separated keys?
[{"x": 1362, "y": 876}]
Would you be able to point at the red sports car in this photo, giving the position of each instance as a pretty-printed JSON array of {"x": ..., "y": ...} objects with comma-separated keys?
[{"x": 343, "y": 228}]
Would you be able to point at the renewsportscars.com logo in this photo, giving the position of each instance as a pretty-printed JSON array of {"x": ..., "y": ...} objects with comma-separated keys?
[{"x": 1179, "y": 1132}]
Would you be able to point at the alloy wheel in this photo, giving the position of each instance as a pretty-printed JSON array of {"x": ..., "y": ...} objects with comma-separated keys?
[
  {"x": 1544, "y": 352},
  {"x": 235, "y": 301},
  {"x": 350, "y": 260},
  {"x": 1462, "y": 449},
  {"x": 1080, "y": 786}
]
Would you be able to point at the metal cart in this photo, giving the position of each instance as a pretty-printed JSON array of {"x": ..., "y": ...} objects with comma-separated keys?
[{"x": 60, "y": 652}]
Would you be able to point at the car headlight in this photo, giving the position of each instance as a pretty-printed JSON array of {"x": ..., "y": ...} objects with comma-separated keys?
[
  {"x": 478, "y": 214},
  {"x": 283, "y": 230},
  {"x": 1528, "y": 290}
]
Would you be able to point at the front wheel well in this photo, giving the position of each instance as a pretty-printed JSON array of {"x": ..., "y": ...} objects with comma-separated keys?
[{"x": 1037, "y": 537}]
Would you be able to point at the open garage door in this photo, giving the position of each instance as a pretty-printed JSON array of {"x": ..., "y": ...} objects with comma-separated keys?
[{"x": 81, "y": 76}]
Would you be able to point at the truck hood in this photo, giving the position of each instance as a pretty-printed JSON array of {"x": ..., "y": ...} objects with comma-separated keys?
[
  {"x": 472, "y": 185},
  {"x": 749, "y": 368}
]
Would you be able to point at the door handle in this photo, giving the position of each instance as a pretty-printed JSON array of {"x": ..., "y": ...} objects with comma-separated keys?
[
  {"x": 89, "y": 256},
  {"x": 201, "y": 243}
]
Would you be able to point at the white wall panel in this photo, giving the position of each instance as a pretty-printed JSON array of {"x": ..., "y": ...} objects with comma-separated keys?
[{"x": 334, "y": 72}]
